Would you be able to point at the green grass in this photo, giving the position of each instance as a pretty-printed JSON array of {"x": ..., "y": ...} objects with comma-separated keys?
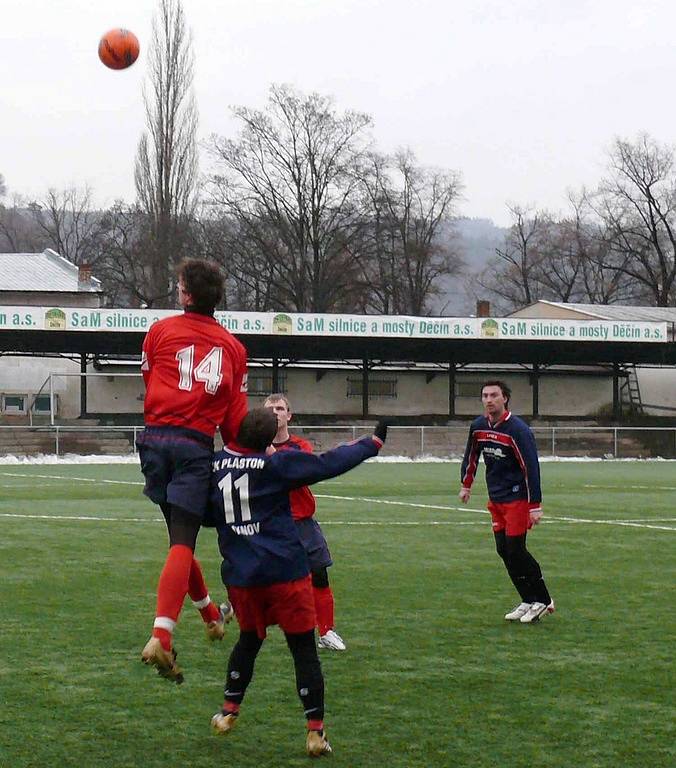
[{"x": 433, "y": 675}]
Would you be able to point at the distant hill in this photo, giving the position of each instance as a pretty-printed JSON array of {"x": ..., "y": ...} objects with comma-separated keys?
[{"x": 477, "y": 240}]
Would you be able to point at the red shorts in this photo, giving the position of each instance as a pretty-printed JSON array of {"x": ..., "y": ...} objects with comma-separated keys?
[
  {"x": 290, "y": 604},
  {"x": 512, "y": 517}
]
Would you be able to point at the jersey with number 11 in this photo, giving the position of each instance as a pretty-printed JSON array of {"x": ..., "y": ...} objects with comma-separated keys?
[{"x": 195, "y": 375}]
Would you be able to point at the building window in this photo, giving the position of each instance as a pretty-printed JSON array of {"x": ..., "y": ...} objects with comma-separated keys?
[
  {"x": 14, "y": 403},
  {"x": 378, "y": 388},
  {"x": 468, "y": 389},
  {"x": 260, "y": 383},
  {"x": 41, "y": 405}
]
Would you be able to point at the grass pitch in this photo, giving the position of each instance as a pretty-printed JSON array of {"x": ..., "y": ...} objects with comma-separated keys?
[{"x": 433, "y": 675}]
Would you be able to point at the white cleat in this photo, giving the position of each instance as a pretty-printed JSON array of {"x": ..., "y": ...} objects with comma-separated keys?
[
  {"x": 216, "y": 629},
  {"x": 332, "y": 641},
  {"x": 224, "y": 722},
  {"x": 317, "y": 745},
  {"x": 516, "y": 613},
  {"x": 536, "y": 611}
]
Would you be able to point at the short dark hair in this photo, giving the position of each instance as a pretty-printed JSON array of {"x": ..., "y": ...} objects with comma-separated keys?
[
  {"x": 258, "y": 429},
  {"x": 506, "y": 391},
  {"x": 279, "y": 397},
  {"x": 203, "y": 280}
]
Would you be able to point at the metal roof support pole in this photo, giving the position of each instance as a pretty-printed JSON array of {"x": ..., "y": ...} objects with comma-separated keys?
[
  {"x": 617, "y": 405},
  {"x": 83, "y": 385},
  {"x": 535, "y": 383},
  {"x": 275, "y": 375},
  {"x": 365, "y": 388},
  {"x": 451, "y": 390},
  {"x": 51, "y": 404}
]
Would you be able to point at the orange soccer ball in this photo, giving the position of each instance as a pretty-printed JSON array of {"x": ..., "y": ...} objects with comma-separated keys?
[{"x": 118, "y": 48}]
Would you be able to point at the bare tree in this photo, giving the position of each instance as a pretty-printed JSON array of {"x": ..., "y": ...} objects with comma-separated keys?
[
  {"x": 3, "y": 186},
  {"x": 411, "y": 213},
  {"x": 69, "y": 224},
  {"x": 288, "y": 182},
  {"x": 18, "y": 231},
  {"x": 166, "y": 161},
  {"x": 637, "y": 204},
  {"x": 513, "y": 277}
]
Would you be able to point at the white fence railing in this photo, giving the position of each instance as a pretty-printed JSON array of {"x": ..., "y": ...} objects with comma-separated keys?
[{"x": 412, "y": 441}]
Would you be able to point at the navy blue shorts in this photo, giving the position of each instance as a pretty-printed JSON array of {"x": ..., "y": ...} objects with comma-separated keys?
[
  {"x": 176, "y": 463},
  {"x": 313, "y": 540}
]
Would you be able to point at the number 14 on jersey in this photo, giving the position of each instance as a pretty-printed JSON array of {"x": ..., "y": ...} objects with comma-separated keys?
[{"x": 208, "y": 370}]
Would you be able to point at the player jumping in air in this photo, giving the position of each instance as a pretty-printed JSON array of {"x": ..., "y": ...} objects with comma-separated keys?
[
  {"x": 265, "y": 566},
  {"x": 513, "y": 480},
  {"x": 195, "y": 376},
  {"x": 303, "y": 507}
]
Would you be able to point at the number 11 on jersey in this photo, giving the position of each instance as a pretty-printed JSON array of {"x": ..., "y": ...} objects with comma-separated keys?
[{"x": 235, "y": 498}]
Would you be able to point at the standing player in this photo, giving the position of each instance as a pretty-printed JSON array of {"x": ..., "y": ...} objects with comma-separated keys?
[
  {"x": 195, "y": 376},
  {"x": 303, "y": 509},
  {"x": 265, "y": 567},
  {"x": 513, "y": 480}
]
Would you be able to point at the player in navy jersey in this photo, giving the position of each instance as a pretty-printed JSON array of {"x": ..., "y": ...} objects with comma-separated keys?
[
  {"x": 303, "y": 507},
  {"x": 265, "y": 566},
  {"x": 195, "y": 376},
  {"x": 515, "y": 499}
]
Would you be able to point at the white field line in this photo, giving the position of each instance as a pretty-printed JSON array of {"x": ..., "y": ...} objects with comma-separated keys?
[
  {"x": 549, "y": 520},
  {"x": 632, "y": 487},
  {"x": 77, "y": 479}
]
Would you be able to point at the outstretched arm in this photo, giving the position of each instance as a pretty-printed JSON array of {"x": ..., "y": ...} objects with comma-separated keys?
[{"x": 297, "y": 468}]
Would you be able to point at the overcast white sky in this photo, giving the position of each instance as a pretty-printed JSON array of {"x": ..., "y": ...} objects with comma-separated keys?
[{"x": 522, "y": 96}]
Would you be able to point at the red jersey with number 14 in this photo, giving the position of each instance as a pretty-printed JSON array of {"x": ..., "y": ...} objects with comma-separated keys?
[
  {"x": 302, "y": 500},
  {"x": 195, "y": 375}
]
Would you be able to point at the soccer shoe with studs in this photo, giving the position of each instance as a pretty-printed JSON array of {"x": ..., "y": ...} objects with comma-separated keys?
[
  {"x": 317, "y": 744},
  {"x": 216, "y": 629},
  {"x": 536, "y": 612},
  {"x": 331, "y": 641},
  {"x": 224, "y": 722},
  {"x": 164, "y": 661},
  {"x": 516, "y": 613}
]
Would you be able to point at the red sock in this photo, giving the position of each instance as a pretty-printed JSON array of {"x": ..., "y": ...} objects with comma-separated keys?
[
  {"x": 315, "y": 725},
  {"x": 230, "y": 708},
  {"x": 171, "y": 592},
  {"x": 199, "y": 594},
  {"x": 323, "y": 608}
]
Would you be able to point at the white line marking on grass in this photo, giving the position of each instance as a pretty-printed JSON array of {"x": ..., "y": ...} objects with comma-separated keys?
[
  {"x": 548, "y": 520},
  {"x": 551, "y": 519},
  {"x": 610, "y": 522},
  {"x": 633, "y": 487},
  {"x": 85, "y": 518},
  {"x": 77, "y": 479},
  {"x": 401, "y": 503}
]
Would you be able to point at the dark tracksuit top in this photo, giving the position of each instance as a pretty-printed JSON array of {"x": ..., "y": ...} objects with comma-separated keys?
[
  {"x": 251, "y": 509},
  {"x": 511, "y": 459}
]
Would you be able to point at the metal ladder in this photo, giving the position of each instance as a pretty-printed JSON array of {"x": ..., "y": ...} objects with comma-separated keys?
[{"x": 630, "y": 391}]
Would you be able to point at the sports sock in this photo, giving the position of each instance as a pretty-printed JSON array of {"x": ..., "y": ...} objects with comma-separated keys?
[
  {"x": 171, "y": 591},
  {"x": 324, "y": 606},
  {"x": 309, "y": 677},
  {"x": 199, "y": 594},
  {"x": 240, "y": 669}
]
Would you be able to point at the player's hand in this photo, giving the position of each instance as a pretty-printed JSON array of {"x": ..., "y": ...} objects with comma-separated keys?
[
  {"x": 380, "y": 430},
  {"x": 464, "y": 495},
  {"x": 270, "y": 450},
  {"x": 535, "y": 516}
]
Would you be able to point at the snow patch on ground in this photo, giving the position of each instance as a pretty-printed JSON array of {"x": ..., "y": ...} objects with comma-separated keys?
[{"x": 132, "y": 458}]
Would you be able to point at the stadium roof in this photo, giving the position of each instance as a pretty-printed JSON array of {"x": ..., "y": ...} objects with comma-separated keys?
[
  {"x": 620, "y": 312},
  {"x": 46, "y": 271}
]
